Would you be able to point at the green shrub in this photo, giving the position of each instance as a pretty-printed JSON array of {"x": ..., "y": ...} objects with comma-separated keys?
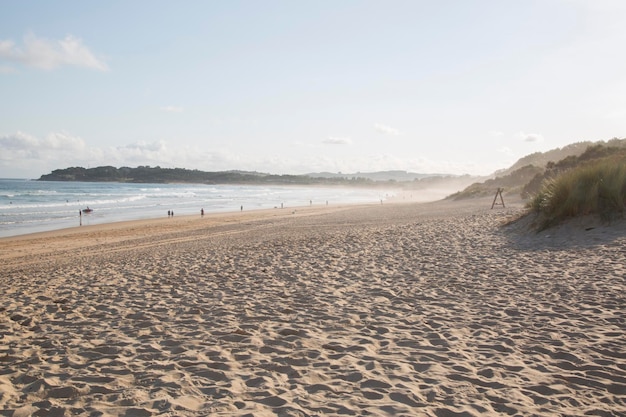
[{"x": 598, "y": 187}]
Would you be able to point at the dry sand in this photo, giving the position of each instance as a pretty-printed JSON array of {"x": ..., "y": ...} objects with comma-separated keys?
[{"x": 395, "y": 309}]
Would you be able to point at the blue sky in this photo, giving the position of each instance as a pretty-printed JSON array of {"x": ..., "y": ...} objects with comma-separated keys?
[{"x": 294, "y": 87}]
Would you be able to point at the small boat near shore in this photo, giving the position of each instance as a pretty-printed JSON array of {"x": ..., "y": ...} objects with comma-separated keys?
[{"x": 87, "y": 210}]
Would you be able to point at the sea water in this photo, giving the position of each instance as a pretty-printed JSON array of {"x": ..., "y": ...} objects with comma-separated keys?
[{"x": 28, "y": 206}]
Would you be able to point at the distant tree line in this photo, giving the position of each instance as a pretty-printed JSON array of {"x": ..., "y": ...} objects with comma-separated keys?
[{"x": 147, "y": 174}]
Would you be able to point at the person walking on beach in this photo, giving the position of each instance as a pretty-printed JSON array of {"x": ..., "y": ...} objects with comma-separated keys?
[{"x": 201, "y": 212}]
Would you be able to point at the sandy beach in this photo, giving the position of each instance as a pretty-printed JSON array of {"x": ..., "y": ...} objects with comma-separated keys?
[{"x": 404, "y": 309}]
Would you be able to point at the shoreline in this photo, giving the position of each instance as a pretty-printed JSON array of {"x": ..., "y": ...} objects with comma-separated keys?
[
  {"x": 251, "y": 212},
  {"x": 35, "y": 211},
  {"x": 79, "y": 239},
  {"x": 407, "y": 308},
  {"x": 83, "y": 236}
]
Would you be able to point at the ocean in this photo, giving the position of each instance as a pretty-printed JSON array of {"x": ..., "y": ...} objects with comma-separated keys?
[{"x": 28, "y": 206}]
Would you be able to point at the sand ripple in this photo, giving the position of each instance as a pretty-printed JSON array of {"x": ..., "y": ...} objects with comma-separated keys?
[{"x": 376, "y": 311}]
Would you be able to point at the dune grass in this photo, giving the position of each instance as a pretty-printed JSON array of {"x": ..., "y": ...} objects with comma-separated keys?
[{"x": 596, "y": 188}]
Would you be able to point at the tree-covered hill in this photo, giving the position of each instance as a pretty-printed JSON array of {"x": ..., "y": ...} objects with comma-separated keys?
[
  {"x": 527, "y": 175},
  {"x": 147, "y": 174}
]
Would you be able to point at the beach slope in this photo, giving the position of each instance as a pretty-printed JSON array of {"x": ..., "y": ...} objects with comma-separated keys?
[{"x": 429, "y": 309}]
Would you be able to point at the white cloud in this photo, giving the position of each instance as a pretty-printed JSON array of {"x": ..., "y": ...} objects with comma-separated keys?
[
  {"x": 62, "y": 141},
  {"x": 51, "y": 54},
  {"x": 6, "y": 48},
  {"x": 18, "y": 141},
  {"x": 333, "y": 140},
  {"x": 26, "y": 156},
  {"x": 172, "y": 109},
  {"x": 387, "y": 130},
  {"x": 23, "y": 155},
  {"x": 58, "y": 142},
  {"x": 152, "y": 150},
  {"x": 530, "y": 137}
]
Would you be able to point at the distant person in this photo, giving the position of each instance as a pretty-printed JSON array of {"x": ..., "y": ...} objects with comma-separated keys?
[
  {"x": 201, "y": 212},
  {"x": 241, "y": 208},
  {"x": 172, "y": 213},
  {"x": 169, "y": 213}
]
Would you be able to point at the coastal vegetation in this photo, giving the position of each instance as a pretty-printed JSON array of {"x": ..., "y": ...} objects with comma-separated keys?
[
  {"x": 595, "y": 187},
  {"x": 589, "y": 179},
  {"x": 525, "y": 177}
]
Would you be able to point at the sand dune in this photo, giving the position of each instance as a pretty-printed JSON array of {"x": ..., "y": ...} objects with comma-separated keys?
[{"x": 399, "y": 309}]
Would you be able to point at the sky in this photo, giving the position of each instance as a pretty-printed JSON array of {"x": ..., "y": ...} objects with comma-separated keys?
[{"x": 293, "y": 87}]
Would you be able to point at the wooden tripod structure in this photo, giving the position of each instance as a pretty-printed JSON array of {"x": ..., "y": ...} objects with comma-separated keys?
[{"x": 498, "y": 193}]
